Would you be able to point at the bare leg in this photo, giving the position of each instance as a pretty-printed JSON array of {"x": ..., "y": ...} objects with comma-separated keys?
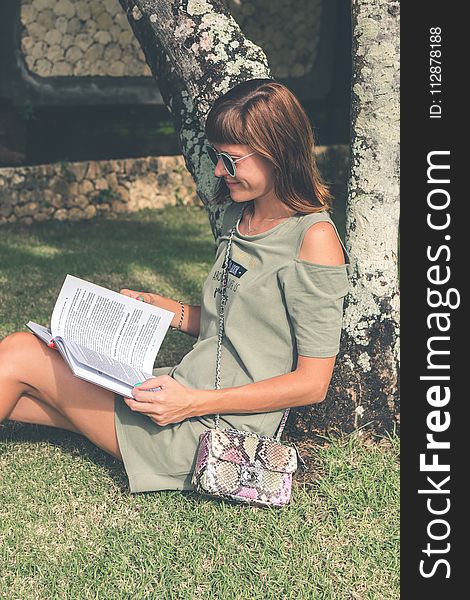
[
  {"x": 31, "y": 410},
  {"x": 33, "y": 376}
]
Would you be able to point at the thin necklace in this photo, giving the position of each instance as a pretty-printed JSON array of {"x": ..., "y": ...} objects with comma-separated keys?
[{"x": 255, "y": 229}]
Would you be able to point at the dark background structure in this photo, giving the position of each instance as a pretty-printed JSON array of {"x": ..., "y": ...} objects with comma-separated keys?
[{"x": 72, "y": 118}]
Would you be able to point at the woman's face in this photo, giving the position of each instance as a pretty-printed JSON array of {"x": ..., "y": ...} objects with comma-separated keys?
[{"x": 254, "y": 177}]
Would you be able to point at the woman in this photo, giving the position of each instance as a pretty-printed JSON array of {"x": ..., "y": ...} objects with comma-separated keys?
[{"x": 283, "y": 314}]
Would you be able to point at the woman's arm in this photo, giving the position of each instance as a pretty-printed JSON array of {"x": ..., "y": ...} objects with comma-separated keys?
[
  {"x": 174, "y": 402},
  {"x": 192, "y": 313},
  {"x": 308, "y": 384}
]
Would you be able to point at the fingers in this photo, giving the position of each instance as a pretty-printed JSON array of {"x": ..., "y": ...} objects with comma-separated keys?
[
  {"x": 142, "y": 407},
  {"x": 150, "y": 409},
  {"x": 142, "y": 296},
  {"x": 153, "y": 384}
]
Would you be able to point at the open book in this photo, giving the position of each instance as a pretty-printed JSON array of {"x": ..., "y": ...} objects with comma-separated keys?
[{"x": 106, "y": 338}]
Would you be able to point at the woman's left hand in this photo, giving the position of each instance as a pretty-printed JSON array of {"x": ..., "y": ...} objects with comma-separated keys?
[{"x": 172, "y": 403}]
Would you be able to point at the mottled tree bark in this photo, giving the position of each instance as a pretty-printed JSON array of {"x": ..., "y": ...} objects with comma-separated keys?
[
  {"x": 197, "y": 52},
  {"x": 364, "y": 390}
]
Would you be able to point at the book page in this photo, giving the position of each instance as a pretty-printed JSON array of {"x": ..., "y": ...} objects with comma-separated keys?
[
  {"x": 104, "y": 381},
  {"x": 102, "y": 364},
  {"x": 40, "y": 331},
  {"x": 111, "y": 324}
]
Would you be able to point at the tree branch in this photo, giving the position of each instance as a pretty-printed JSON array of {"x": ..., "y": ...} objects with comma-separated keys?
[{"x": 196, "y": 52}]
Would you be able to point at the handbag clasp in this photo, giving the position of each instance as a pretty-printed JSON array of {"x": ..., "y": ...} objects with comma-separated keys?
[{"x": 250, "y": 475}]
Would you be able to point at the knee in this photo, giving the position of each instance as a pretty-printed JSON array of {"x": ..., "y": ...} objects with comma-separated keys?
[
  {"x": 15, "y": 346},
  {"x": 20, "y": 338}
]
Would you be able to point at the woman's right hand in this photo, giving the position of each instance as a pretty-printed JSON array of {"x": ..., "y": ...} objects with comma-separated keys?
[
  {"x": 186, "y": 318},
  {"x": 142, "y": 296}
]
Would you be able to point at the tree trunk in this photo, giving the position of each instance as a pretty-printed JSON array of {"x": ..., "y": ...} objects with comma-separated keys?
[
  {"x": 364, "y": 390},
  {"x": 197, "y": 53}
]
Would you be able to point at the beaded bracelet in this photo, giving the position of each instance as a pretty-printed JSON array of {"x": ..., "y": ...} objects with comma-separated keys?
[{"x": 180, "y": 324}]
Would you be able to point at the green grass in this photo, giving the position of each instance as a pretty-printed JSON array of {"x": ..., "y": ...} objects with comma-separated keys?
[{"x": 69, "y": 529}]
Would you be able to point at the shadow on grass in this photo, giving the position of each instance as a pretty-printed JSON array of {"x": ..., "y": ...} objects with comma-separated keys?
[
  {"x": 172, "y": 242},
  {"x": 168, "y": 251},
  {"x": 72, "y": 443}
]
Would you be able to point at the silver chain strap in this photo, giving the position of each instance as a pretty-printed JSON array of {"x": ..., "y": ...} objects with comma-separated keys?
[{"x": 223, "y": 302}]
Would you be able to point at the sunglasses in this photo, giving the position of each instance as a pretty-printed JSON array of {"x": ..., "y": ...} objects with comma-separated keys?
[{"x": 227, "y": 160}]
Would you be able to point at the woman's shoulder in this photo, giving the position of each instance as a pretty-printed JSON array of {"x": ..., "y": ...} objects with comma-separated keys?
[{"x": 311, "y": 234}]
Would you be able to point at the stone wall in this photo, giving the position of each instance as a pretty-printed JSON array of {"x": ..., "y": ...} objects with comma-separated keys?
[
  {"x": 82, "y": 190},
  {"x": 93, "y": 37},
  {"x": 288, "y": 31}
]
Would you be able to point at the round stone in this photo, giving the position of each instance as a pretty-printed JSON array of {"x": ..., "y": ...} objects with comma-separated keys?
[
  {"x": 61, "y": 24},
  {"x": 74, "y": 26},
  {"x": 127, "y": 58},
  {"x": 61, "y": 69},
  {"x": 109, "y": 5},
  {"x": 96, "y": 9},
  {"x": 67, "y": 41},
  {"x": 57, "y": 201},
  {"x": 81, "y": 201},
  {"x": 112, "y": 52},
  {"x": 38, "y": 50},
  {"x": 101, "y": 184},
  {"x": 28, "y": 13},
  {"x": 41, "y": 4},
  {"x": 121, "y": 20},
  {"x": 83, "y": 41},
  {"x": 53, "y": 37},
  {"x": 104, "y": 21},
  {"x": 99, "y": 67},
  {"x": 27, "y": 43},
  {"x": 94, "y": 52},
  {"x": 75, "y": 214},
  {"x": 89, "y": 211},
  {"x": 46, "y": 18},
  {"x": 125, "y": 38},
  {"x": 73, "y": 55},
  {"x": 36, "y": 31},
  {"x": 43, "y": 67},
  {"x": 85, "y": 187},
  {"x": 55, "y": 54},
  {"x": 30, "y": 208},
  {"x": 61, "y": 214},
  {"x": 102, "y": 37},
  {"x": 65, "y": 8},
  {"x": 83, "y": 10}
]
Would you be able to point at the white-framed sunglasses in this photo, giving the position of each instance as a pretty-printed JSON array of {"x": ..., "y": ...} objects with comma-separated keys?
[{"x": 227, "y": 160}]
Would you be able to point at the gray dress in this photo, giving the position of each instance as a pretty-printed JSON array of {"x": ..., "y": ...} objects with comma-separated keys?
[{"x": 278, "y": 307}]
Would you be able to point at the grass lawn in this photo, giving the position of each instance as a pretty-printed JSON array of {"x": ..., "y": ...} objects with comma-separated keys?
[{"x": 70, "y": 529}]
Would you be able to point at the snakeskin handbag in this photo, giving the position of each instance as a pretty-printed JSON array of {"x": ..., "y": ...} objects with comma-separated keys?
[{"x": 241, "y": 466}]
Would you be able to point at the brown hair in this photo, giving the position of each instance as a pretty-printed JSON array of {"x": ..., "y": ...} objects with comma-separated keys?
[{"x": 265, "y": 115}]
